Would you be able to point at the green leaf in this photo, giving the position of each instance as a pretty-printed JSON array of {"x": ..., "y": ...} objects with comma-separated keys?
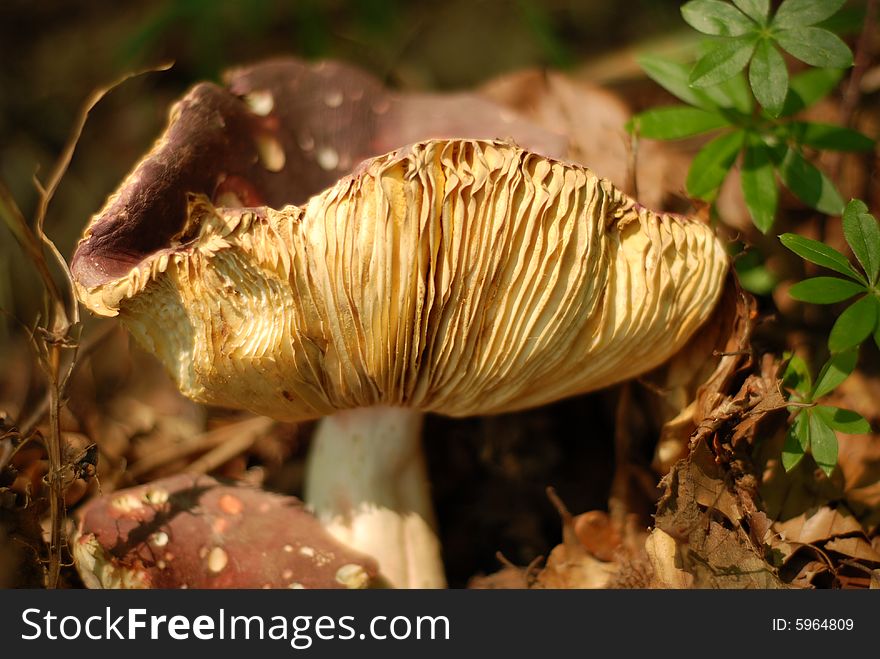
[
  {"x": 797, "y": 442},
  {"x": 823, "y": 443},
  {"x": 863, "y": 235},
  {"x": 759, "y": 185},
  {"x": 808, "y": 87},
  {"x": 753, "y": 274},
  {"x": 673, "y": 77},
  {"x": 837, "y": 369},
  {"x": 816, "y": 47},
  {"x": 716, "y": 18},
  {"x": 845, "y": 421},
  {"x": 797, "y": 376},
  {"x": 829, "y": 136},
  {"x": 724, "y": 61},
  {"x": 820, "y": 254},
  {"x": 769, "y": 77},
  {"x": 735, "y": 92},
  {"x": 877, "y": 332},
  {"x": 672, "y": 123},
  {"x": 795, "y": 13},
  {"x": 807, "y": 183},
  {"x": 711, "y": 164},
  {"x": 756, "y": 279},
  {"x": 825, "y": 290},
  {"x": 757, "y": 10},
  {"x": 854, "y": 325}
]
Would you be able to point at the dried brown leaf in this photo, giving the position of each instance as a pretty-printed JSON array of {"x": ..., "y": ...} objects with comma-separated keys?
[
  {"x": 819, "y": 525},
  {"x": 715, "y": 554},
  {"x": 856, "y": 547}
]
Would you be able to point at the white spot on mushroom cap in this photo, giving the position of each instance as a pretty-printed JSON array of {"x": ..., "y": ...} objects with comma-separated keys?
[
  {"x": 156, "y": 496},
  {"x": 333, "y": 99},
  {"x": 217, "y": 559},
  {"x": 159, "y": 538},
  {"x": 307, "y": 551},
  {"x": 327, "y": 158},
  {"x": 306, "y": 141},
  {"x": 352, "y": 576},
  {"x": 286, "y": 574},
  {"x": 296, "y": 586},
  {"x": 261, "y": 102},
  {"x": 271, "y": 153},
  {"x": 126, "y": 503},
  {"x": 288, "y": 548}
]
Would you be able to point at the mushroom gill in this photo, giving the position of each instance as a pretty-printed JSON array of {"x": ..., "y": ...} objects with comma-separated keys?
[{"x": 453, "y": 276}]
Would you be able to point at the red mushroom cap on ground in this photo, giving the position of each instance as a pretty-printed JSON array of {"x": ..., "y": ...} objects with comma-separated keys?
[{"x": 190, "y": 531}]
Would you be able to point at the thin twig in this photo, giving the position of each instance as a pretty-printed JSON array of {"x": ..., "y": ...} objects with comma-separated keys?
[
  {"x": 560, "y": 506},
  {"x": 229, "y": 449},
  {"x": 632, "y": 165},
  {"x": 86, "y": 348},
  {"x": 852, "y": 91},
  {"x": 59, "y": 336},
  {"x": 198, "y": 444},
  {"x": 862, "y": 60}
]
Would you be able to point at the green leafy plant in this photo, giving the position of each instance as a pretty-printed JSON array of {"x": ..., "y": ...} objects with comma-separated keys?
[
  {"x": 739, "y": 92},
  {"x": 862, "y": 318},
  {"x": 813, "y": 427},
  {"x": 762, "y": 134},
  {"x": 753, "y": 38}
]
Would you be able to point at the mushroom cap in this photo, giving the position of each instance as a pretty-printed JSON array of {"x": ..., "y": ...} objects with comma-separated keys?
[
  {"x": 191, "y": 531},
  {"x": 277, "y": 133},
  {"x": 457, "y": 276}
]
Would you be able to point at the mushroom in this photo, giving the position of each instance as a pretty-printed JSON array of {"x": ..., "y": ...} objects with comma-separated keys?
[
  {"x": 453, "y": 276},
  {"x": 190, "y": 531}
]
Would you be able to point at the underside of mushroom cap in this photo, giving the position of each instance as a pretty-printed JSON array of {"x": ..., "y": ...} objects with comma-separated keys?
[{"x": 455, "y": 276}]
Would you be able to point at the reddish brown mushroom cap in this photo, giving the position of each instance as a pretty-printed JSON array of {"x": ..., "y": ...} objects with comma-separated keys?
[
  {"x": 191, "y": 531},
  {"x": 280, "y": 132}
]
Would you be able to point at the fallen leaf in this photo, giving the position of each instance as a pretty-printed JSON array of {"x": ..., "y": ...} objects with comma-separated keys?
[
  {"x": 597, "y": 534},
  {"x": 573, "y": 567},
  {"x": 856, "y": 547},
  {"x": 715, "y": 554},
  {"x": 819, "y": 525}
]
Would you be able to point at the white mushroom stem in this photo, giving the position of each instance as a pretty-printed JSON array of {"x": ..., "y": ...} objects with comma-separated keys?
[{"x": 366, "y": 480}]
